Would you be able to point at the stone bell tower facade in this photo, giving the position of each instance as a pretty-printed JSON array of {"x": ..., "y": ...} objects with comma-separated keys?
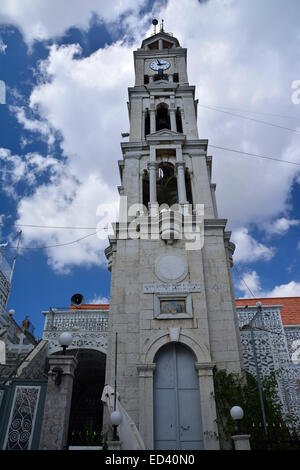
[{"x": 172, "y": 301}]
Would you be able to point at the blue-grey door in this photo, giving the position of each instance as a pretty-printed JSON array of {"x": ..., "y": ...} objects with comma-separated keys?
[{"x": 177, "y": 412}]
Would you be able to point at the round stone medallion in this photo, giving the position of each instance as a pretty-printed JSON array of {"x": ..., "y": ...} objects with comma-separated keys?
[{"x": 170, "y": 268}]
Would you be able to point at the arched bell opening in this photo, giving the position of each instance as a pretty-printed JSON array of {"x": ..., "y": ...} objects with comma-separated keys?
[
  {"x": 178, "y": 120},
  {"x": 147, "y": 122},
  {"x": 162, "y": 117},
  {"x": 146, "y": 188},
  {"x": 188, "y": 186},
  {"x": 166, "y": 185},
  {"x": 85, "y": 422}
]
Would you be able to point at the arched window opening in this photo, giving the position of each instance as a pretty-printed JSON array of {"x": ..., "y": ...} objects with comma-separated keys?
[
  {"x": 147, "y": 122},
  {"x": 146, "y": 188},
  {"x": 146, "y": 79},
  {"x": 162, "y": 117},
  {"x": 178, "y": 120},
  {"x": 175, "y": 77},
  {"x": 188, "y": 186},
  {"x": 166, "y": 185}
]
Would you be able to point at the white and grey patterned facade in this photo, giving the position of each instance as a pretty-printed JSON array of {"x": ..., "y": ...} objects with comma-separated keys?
[
  {"x": 277, "y": 349},
  {"x": 87, "y": 327}
]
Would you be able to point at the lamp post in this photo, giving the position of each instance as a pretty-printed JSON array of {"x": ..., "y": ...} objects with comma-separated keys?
[
  {"x": 115, "y": 419},
  {"x": 65, "y": 340},
  {"x": 237, "y": 414},
  {"x": 240, "y": 441}
]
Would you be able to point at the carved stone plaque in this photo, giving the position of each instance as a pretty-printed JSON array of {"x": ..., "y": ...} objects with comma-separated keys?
[{"x": 156, "y": 288}]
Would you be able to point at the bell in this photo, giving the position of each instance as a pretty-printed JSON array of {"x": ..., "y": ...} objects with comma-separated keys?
[
  {"x": 162, "y": 117},
  {"x": 162, "y": 122}
]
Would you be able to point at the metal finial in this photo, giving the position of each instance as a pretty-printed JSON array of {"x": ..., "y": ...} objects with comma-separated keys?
[{"x": 162, "y": 26}]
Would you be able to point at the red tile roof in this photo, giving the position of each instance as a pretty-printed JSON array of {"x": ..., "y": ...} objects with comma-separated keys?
[
  {"x": 90, "y": 307},
  {"x": 290, "y": 312}
]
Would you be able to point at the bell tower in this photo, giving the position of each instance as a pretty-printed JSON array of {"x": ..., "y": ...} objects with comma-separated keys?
[{"x": 172, "y": 301}]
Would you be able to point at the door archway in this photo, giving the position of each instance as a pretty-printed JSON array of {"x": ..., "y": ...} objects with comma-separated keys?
[
  {"x": 177, "y": 411},
  {"x": 86, "y": 412}
]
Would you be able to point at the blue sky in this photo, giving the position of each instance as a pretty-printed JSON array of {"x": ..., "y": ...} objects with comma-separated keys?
[{"x": 66, "y": 72}]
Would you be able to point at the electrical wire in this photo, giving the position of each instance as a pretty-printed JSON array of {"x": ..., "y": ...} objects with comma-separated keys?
[
  {"x": 251, "y": 111},
  {"x": 53, "y": 246},
  {"x": 48, "y": 226},
  {"x": 253, "y": 154},
  {"x": 243, "y": 280},
  {"x": 249, "y": 118}
]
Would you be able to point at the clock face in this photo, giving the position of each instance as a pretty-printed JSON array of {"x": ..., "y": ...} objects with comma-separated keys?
[{"x": 158, "y": 64}]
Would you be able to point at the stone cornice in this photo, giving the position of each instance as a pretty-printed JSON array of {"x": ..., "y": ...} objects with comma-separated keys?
[
  {"x": 179, "y": 89},
  {"x": 149, "y": 53},
  {"x": 254, "y": 307},
  {"x": 197, "y": 147},
  {"x": 161, "y": 85},
  {"x": 215, "y": 223},
  {"x": 136, "y": 147}
]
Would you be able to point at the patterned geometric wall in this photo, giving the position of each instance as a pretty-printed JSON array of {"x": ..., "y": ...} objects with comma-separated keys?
[
  {"x": 22, "y": 418},
  {"x": 21, "y": 413},
  {"x": 277, "y": 347}
]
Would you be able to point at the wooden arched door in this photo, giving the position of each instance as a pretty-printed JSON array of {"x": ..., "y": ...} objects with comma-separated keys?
[{"x": 177, "y": 412}]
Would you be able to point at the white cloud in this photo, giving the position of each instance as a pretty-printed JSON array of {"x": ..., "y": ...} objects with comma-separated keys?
[
  {"x": 250, "y": 284},
  {"x": 85, "y": 100},
  {"x": 41, "y": 20},
  {"x": 25, "y": 168},
  {"x": 98, "y": 300},
  {"x": 291, "y": 289},
  {"x": 3, "y": 47},
  {"x": 66, "y": 202},
  {"x": 38, "y": 126},
  {"x": 248, "y": 249},
  {"x": 280, "y": 226}
]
